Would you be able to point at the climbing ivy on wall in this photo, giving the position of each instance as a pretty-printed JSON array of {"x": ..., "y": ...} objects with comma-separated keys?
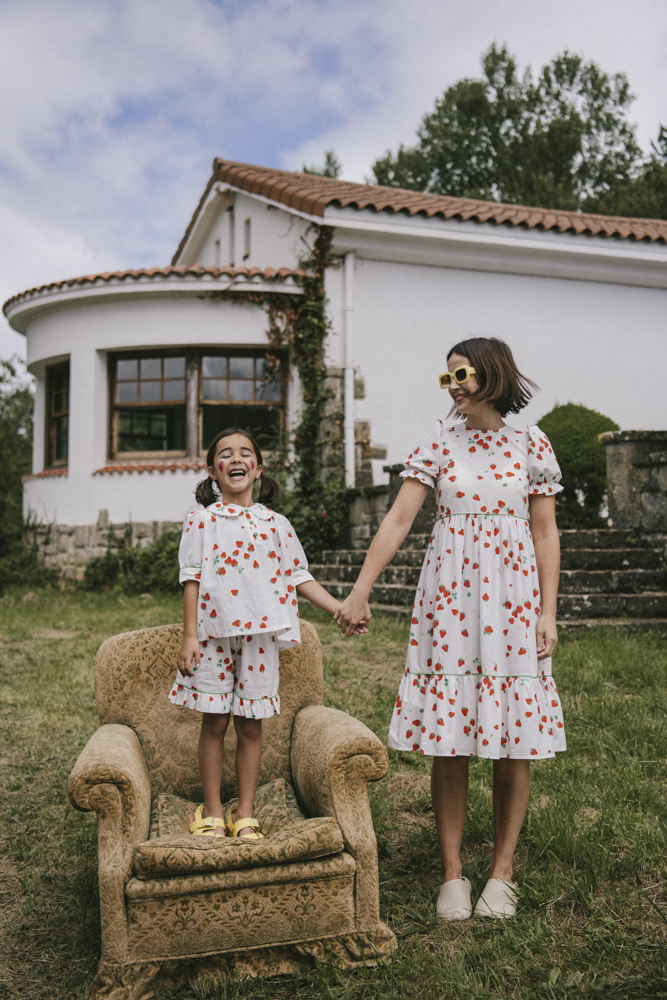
[{"x": 318, "y": 502}]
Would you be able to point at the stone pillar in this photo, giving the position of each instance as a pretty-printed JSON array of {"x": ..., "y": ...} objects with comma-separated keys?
[{"x": 637, "y": 478}]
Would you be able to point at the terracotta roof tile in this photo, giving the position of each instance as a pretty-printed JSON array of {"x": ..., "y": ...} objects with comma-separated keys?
[
  {"x": 312, "y": 194},
  {"x": 197, "y": 270}
]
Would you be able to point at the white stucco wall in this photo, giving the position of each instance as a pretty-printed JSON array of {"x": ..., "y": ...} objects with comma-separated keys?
[
  {"x": 86, "y": 334},
  {"x": 276, "y": 237},
  {"x": 576, "y": 339}
]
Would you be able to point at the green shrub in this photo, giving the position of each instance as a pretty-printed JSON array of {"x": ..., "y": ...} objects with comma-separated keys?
[
  {"x": 135, "y": 570},
  {"x": 573, "y": 431}
]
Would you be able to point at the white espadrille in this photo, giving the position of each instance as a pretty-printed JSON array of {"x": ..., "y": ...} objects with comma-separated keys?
[
  {"x": 454, "y": 901},
  {"x": 498, "y": 900}
]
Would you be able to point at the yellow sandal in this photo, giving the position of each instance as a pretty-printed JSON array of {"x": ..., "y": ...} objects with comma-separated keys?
[
  {"x": 233, "y": 827},
  {"x": 207, "y": 826}
]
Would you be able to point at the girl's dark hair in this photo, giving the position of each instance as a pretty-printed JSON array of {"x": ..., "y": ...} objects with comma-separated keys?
[
  {"x": 500, "y": 381},
  {"x": 206, "y": 493}
]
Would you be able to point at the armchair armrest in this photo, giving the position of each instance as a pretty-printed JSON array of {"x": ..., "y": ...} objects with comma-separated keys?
[
  {"x": 333, "y": 757},
  {"x": 111, "y": 778}
]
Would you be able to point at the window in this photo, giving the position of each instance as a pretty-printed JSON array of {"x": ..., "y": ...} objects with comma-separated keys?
[
  {"x": 241, "y": 391},
  {"x": 148, "y": 405},
  {"x": 169, "y": 405},
  {"x": 246, "y": 238},
  {"x": 57, "y": 438}
]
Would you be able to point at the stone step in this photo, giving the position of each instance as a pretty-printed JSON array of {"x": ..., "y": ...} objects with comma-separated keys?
[
  {"x": 602, "y": 538},
  {"x": 611, "y": 559},
  {"x": 603, "y": 581},
  {"x": 570, "y": 605},
  {"x": 572, "y": 581}
]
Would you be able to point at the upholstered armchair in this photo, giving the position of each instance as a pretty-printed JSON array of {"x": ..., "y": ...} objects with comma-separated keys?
[{"x": 306, "y": 892}]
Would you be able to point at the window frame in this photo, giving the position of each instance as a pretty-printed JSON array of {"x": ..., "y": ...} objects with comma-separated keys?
[
  {"x": 193, "y": 403},
  {"x": 115, "y": 408},
  {"x": 50, "y": 462},
  {"x": 240, "y": 352}
]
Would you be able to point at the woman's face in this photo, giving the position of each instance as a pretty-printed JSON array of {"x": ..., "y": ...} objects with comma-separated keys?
[{"x": 461, "y": 394}]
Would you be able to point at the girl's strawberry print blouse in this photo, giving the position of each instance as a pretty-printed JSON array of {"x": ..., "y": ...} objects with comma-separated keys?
[
  {"x": 248, "y": 562},
  {"x": 473, "y": 684}
]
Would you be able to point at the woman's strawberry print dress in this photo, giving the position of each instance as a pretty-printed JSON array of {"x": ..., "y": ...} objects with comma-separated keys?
[{"x": 473, "y": 685}]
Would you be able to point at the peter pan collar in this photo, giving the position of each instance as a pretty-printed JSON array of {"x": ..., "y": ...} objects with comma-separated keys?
[{"x": 222, "y": 509}]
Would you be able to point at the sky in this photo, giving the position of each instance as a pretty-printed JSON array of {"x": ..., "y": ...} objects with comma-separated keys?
[{"x": 112, "y": 111}]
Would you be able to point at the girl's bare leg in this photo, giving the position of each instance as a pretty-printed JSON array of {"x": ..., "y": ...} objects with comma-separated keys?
[
  {"x": 449, "y": 791},
  {"x": 248, "y": 760},
  {"x": 511, "y": 790},
  {"x": 211, "y": 745}
]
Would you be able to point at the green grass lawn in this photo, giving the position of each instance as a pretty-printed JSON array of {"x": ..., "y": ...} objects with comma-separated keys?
[{"x": 591, "y": 857}]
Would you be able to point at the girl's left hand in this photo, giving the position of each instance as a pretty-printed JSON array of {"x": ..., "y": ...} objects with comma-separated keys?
[{"x": 546, "y": 635}]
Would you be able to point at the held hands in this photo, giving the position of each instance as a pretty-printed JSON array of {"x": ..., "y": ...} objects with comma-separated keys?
[
  {"x": 354, "y": 615},
  {"x": 546, "y": 635},
  {"x": 188, "y": 652}
]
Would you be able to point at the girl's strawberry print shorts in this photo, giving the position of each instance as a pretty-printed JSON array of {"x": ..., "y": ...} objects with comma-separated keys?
[{"x": 238, "y": 674}]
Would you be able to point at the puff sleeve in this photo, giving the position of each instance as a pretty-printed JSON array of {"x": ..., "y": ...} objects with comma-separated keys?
[
  {"x": 543, "y": 469},
  {"x": 294, "y": 558},
  {"x": 191, "y": 549},
  {"x": 424, "y": 462}
]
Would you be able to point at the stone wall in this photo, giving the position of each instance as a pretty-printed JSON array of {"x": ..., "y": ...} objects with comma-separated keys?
[
  {"x": 372, "y": 503},
  {"x": 637, "y": 478},
  {"x": 68, "y": 548}
]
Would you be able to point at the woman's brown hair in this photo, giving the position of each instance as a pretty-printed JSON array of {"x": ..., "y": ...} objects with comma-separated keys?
[
  {"x": 500, "y": 381},
  {"x": 206, "y": 493}
]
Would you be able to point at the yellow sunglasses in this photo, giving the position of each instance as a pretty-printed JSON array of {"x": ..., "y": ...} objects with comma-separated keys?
[{"x": 460, "y": 375}]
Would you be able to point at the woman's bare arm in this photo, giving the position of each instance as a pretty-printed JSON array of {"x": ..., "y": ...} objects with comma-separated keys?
[
  {"x": 385, "y": 545},
  {"x": 547, "y": 558}
]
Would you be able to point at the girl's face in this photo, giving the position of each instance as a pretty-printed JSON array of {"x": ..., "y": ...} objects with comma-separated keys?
[
  {"x": 461, "y": 394},
  {"x": 235, "y": 469}
]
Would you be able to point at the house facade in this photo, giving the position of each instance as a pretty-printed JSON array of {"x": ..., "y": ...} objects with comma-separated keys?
[{"x": 136, "y": 371}]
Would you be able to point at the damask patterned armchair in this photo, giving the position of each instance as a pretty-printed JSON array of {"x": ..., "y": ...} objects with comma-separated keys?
[{"x": 309, "y": 890}]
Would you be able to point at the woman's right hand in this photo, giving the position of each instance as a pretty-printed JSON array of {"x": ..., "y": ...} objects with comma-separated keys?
[
  {"x": 188, "y": 652},
  {"x": 353, "y": 611}
]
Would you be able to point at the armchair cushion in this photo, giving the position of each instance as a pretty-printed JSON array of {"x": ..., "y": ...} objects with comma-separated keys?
[{"x": 290, "y": 836}]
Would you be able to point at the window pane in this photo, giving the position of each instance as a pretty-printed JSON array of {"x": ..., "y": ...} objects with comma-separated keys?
[
  {"x": 61, "y": 439},
  {"x": 149, "y": 392},
  {"x": 174, "y": 367},
  {"x": 214, "y": 367},
  {"x": 151, "y": 367},
  {"x": 127, "y": 369},
  {"x": 214, "y": 388},
  {"x": 174, "y": 389},
  {"x": 240, "y": 390},
  {"x": 268, "y": 392},
  {"x": 126, "y": 392},
  {"x": 241, "y": 368},
  {"x": 263, "y": 423},
  {"x": 160, "y": 429}
]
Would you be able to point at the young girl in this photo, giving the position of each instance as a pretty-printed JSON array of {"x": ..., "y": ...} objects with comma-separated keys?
[
  {"x": 478, "y": 675},
  {"x": 241, "y": 566}
]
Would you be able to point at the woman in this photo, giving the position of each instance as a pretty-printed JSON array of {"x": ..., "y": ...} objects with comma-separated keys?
[{"x": 478, "y": 674}]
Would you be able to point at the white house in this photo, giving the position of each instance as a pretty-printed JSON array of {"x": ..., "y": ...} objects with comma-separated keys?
[{"x": 136, "y": 370}]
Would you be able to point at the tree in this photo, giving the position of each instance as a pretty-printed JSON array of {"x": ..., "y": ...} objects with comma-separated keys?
[
  {"x": 573, "y": 431},
  {"x": 555, "y": 142},
  {"x": 644, "y": 196},
  {"x": 16, "y": 404},
  {"x": 331, "y": 168}
]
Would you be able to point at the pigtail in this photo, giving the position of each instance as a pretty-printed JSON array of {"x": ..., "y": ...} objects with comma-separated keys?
[
  {"x": 269, "y": 488},
  {"x": 205, "y": 493}
]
